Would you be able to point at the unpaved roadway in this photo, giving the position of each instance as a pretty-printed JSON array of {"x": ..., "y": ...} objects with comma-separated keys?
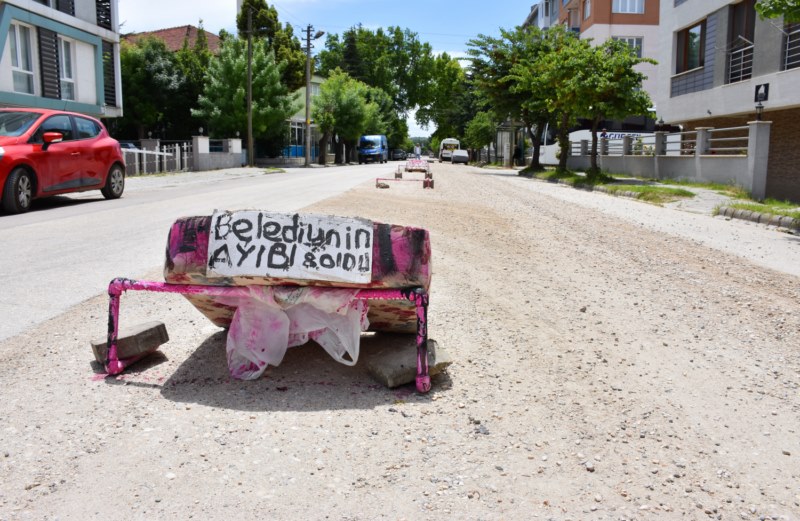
[{"x": 604, "y": 369}]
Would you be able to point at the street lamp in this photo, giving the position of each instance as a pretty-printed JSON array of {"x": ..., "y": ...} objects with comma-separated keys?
[
  {"x": 317, "y": 35},
  {"x": 759, "y": 110}
]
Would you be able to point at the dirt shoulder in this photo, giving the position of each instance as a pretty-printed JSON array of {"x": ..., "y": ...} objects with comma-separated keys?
[{"x": 603, "y": 370}]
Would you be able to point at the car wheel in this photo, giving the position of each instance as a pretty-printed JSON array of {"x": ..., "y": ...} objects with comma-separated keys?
[
  {"x": 115, "y": 183},
  {"x": 18, "y": 192}
]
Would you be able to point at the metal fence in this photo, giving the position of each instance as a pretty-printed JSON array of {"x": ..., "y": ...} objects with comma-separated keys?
[{"x": 169, "y": 158}]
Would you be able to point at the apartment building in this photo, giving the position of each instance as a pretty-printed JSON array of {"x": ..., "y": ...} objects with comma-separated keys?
[
  {"x": 61, "y": 54},
  {"x": 721, "y": 64},
  {"x": 635, "y": 22},
  {"x": 544, "y": 14}
]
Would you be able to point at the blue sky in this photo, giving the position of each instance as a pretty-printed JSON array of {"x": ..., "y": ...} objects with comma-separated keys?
[{"x": 446, "y": 24}]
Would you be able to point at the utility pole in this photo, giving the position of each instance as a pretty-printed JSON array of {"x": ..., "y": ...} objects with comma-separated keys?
[
  {"x": 250, "y": 151},
  {"x": 308, "y": 97},
  {"x": 318, "y": 34}
]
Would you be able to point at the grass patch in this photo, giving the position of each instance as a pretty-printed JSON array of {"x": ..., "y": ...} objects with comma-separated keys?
[
  {"x": 770, "y": 206},
  {"x": 572, "y": 178},
  {"x": 734, "y": 191},
  {"x": 650, "y": 193},
  {"x": 653, "y": 194}
]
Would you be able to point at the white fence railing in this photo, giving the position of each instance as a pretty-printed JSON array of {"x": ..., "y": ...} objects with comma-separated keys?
[
  {"x": 169, "y": 158},
  {"x": 737, "y": 155}
]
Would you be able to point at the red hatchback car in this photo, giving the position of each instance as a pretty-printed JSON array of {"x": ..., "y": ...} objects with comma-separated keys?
[{"x": 51, "y": 152}]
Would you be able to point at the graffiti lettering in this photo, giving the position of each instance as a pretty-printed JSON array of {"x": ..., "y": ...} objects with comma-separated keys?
[{"x": 290, "y": 246}]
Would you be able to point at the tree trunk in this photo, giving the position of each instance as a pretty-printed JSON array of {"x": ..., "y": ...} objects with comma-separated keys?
[
  {"x": 339, "y": 152},
  {"x": 563, "y": 143},
  {"x": 536, "y": 140},
  {"x": 323, "y": 148},
  {"x": 348, "y": 151},
  {"x": 593, "y": 170}
]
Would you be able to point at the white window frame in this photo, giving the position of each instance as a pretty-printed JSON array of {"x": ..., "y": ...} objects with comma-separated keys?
[
  {"x": 16, "y": 40},
  {"x": 66, "y": 51},
  {"x": 587, "y": 9},
  {"x": 634, "y": 42},
  {"x": 627, "y": 6}
]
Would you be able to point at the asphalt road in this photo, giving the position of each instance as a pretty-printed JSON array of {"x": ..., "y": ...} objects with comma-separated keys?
[{"x": 68, "y": 248}]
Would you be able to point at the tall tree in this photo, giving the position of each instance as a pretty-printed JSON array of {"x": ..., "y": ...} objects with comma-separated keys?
[
  {"x": 560, "y": 68},
  {"x": 223, "y": 102},
  {"x": 445, "y": 98},
  {"x": 280, "y": 39},
  {"x": 480, "y": 131},
  {"x": 192, "y": 62},
  {"x": 610, "y": 87},
  {"x": 150, "y": 82},
  {"x": 343, "y": 108},
  {"x": 502, "y": 70},
  {"x": 391, "y": 59}
]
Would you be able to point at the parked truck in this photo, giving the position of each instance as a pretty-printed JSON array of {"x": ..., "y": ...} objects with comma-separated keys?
[{"x": 446, "y": 148}]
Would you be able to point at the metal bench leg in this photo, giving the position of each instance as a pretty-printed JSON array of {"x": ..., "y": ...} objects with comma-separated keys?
[
  {"x": 423, "y": 378},
  {"x": 113, "y": 363}
]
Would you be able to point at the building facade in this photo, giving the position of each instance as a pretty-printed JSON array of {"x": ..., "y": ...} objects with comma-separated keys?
[
  {"x": 635, "y": 22},
  {"x": 61, "y": 54},
  {"x": 544, "y": 14},
  {"x": 721, "y": 64}
]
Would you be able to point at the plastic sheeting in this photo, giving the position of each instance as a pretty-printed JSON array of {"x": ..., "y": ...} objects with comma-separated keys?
[{"x": 271, "y": 319}]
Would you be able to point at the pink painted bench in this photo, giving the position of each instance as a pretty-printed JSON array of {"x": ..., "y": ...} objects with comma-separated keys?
[{"x": 396, "y": 294}]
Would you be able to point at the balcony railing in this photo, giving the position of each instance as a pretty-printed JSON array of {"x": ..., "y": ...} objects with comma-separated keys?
[
  {"x": 740, "y": 65},
  {"x": 791, "y": 58}
]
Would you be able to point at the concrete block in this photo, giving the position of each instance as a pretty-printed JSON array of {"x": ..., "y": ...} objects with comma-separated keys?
[
  {"x": 132, "y": 341},
  {"x": 392, "y": 359}
]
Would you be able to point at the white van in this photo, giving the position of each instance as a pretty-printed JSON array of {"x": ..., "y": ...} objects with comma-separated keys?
[{"x": 446, "y": 148}]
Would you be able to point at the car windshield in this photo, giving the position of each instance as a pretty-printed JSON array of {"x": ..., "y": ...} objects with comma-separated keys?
[
  {"x": 370, "y": 142},
  {"x": 13, "y": 124}
]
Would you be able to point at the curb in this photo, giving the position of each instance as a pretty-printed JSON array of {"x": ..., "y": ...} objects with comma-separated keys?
[{"x": 761, "y": 218}]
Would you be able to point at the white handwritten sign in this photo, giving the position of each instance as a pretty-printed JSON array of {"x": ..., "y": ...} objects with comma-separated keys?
[{"x": 308, "y": 247}]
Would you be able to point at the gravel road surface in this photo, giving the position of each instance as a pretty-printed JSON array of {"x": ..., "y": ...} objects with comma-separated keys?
[{"x": 613, "y": 360}]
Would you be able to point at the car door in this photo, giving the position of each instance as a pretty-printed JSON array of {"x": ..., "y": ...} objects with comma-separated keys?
[
  {"x": 57, "y": 164},
  {"x": 93, "y": 161}
]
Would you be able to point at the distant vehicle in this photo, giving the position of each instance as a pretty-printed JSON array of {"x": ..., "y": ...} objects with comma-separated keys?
[
  {"x": 373, "y": 148},
  {"x": 446, "y": 148},
  {"x": 128, "y": 145},
  {"x": 398, "y": 154},
  {"x": 459, "y": 156},
  {"x": 50, "y": 152}
]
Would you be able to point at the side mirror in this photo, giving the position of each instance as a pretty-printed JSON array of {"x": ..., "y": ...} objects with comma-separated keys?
[{"x": 50, "y": 138}]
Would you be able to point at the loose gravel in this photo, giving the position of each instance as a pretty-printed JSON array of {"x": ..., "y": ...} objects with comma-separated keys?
[{"x": 613, "y": 360}]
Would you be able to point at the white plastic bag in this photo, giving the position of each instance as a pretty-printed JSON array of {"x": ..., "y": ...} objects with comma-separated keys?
[{"x": 271, "y": 319}]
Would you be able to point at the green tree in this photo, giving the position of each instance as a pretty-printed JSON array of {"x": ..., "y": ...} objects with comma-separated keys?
[
  {"x": 789, "y": 9},
  {"x": 224, "y": 100},
  {"x": 150, "y": 82},
  {"x": 192, "y": 62},
  {"x": 280, "y": 39},
  {"x": 480, "y": 131},
  {"x": 446, "y": 98},
  {"x": 394, "y": 60},
  {"x": 609, "y": 87},
  {"x": 342, "y": 109},
  {"x": 561, "y": 67}
]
